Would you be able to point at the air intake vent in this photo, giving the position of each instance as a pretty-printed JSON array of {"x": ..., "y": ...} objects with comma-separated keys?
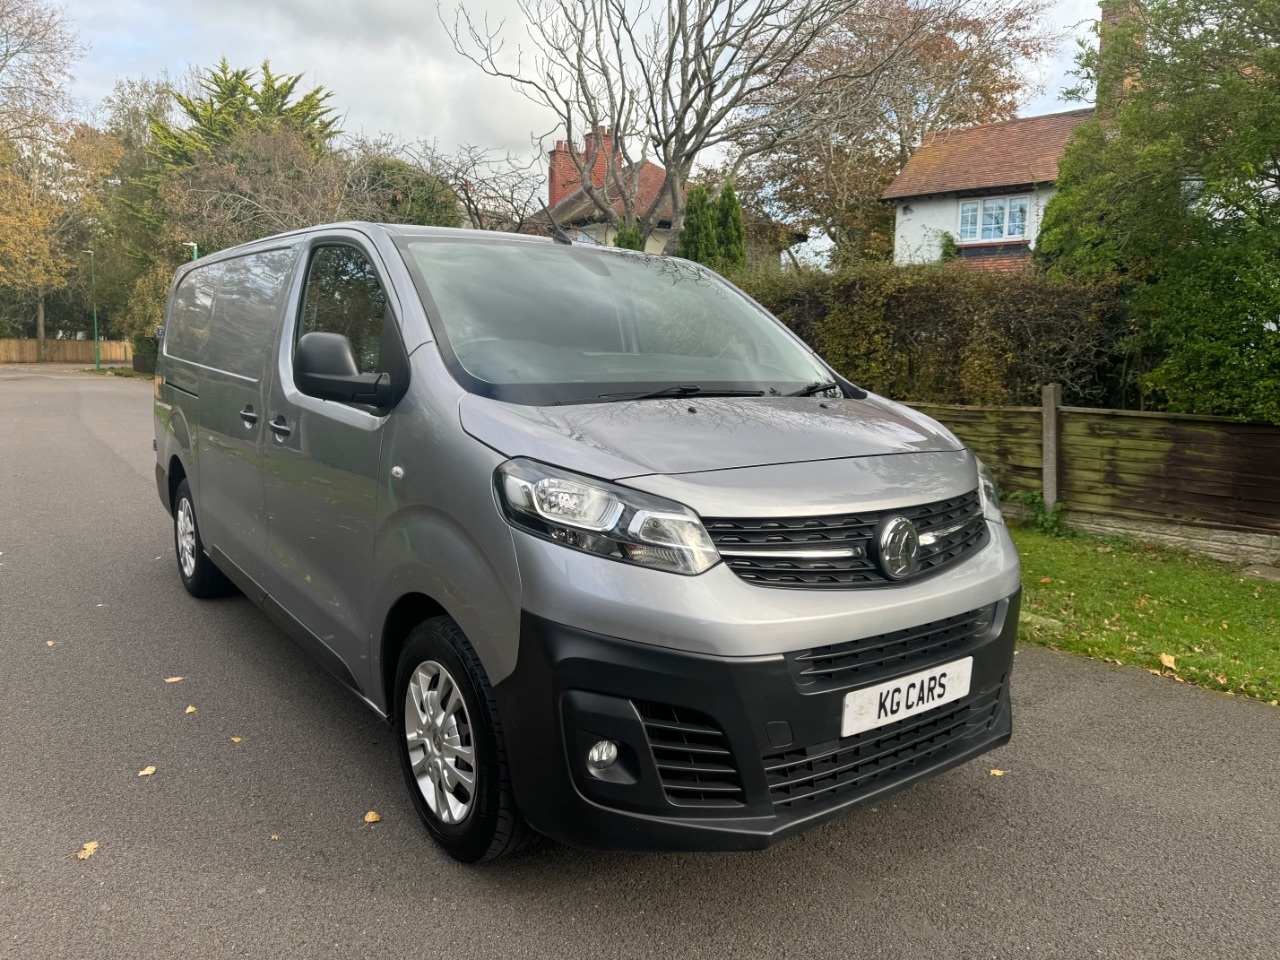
[
  {"x": 890, "y": 753},
  {"x": 889, "y": 654},
  {"x": 835, "y": 552},
  {"x": 692, "y": 755}
]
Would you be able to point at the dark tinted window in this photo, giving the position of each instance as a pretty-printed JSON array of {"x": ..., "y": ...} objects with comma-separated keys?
[
  {"x": 186, "y": 333},
  {"x": 565, "y": 324},
  {"x": 247, "y": 312},
  {"x": 344, "y": 296}
]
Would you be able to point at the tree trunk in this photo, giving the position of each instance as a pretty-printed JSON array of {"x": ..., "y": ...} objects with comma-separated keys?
[{"x": 40, "y": 329}]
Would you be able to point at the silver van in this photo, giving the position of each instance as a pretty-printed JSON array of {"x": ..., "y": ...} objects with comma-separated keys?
[{"x": 619, "y": 557}]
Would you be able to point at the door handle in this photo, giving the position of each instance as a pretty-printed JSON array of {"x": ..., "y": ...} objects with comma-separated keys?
[
  {"x": 279, "y": 427},
  {"x": 248, "y": 416}
]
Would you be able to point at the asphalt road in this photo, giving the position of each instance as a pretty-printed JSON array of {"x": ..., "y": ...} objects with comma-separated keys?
[{"x": 1137, "y": 818}]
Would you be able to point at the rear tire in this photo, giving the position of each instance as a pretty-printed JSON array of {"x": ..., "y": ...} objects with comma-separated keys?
[
  {"x": 451, "y": 746},
  {"x": 199, "y": 575}
]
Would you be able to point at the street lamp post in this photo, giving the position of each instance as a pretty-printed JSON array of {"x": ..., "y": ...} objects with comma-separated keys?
[
  {"x": 93, "y": 288},
  {"x": 195, "y": 249}
]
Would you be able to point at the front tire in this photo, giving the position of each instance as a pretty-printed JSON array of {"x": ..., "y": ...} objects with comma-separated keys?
[
  {"x": 199, "y": 575},
  {"x": 451, "y": 746}
]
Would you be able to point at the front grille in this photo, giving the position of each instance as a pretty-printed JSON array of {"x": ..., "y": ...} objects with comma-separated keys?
[
  {"x": 835, "y": 551},
  {"x": 694, "y": 762},
  {"x": 889, "y": 654},
  {"x": 858, "y": 764}
]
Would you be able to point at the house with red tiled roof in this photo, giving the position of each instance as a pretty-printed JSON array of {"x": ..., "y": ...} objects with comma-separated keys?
[
  {"x": 986, "y": 186},
  {"x": 577, "y": 213}
]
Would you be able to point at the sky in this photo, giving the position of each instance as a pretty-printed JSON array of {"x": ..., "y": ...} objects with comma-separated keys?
[{"x": 390, "y": 63}]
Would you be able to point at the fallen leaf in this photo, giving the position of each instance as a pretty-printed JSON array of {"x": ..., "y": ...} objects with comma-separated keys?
[
  {"x": 1168, "y": 660},
  {"x": 997, "y": 773},
  {"x": 1046, "y": 579},
  {"x": 1275, "y": 703},
  {"x": 51, "y": 643},
  {"x": 1156, "y": 672},
  {"x": 372, "y": 817},
  {"x": 146, "y": 771},
  {"x": 275, "y": 836},
  {"x": 190, "y": 710},
  {"x": 235, "y": 739},
  {"x": 87, "y": 851},
  {"x": 173, "y": 679}
]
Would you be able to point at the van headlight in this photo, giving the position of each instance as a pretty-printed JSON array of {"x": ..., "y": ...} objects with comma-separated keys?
[
  {"x": 599, "y": 517},
  {"x": 988, "y": 494}
]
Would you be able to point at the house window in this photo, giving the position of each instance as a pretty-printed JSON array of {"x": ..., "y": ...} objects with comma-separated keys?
[{"x": 996, "y": 218}]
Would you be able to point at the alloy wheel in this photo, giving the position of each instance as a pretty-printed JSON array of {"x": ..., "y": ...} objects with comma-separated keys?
[
  {"x": 441, "y": 744},
  {"x": 186, "y": 538}
]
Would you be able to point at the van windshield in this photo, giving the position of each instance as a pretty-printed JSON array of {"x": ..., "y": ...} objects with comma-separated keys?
[{"x": 542, "y": 323}]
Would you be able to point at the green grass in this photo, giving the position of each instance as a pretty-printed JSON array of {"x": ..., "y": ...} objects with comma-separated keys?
[{"x": 1125, "y": 602}]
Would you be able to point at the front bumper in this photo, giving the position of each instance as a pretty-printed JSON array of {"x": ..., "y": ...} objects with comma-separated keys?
[{"x": 766, "y": 747}]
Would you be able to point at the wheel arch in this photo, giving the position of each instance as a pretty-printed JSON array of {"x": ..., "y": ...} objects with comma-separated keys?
[
  {"x": 407, "y": 612},
  {"x": 177, "y": 473}
]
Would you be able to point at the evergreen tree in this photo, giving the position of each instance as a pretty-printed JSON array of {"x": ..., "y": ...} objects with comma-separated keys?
[
  {"x": 1175, "y": 191},
  {"x": 232, "y": 101},
  {"x": 730, "y": 230},
  {"x": 629, "y": 238},
  {"x": 698, "y": 240}
]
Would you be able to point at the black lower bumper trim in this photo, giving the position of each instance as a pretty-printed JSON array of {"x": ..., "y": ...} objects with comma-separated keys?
[{"x": 717, "y": 753}]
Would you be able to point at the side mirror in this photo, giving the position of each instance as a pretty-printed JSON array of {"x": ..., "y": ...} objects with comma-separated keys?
[{"x": 324, "y": 366}]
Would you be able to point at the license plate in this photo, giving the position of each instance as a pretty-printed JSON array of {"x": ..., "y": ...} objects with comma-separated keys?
[{"x": 905, "y": 696}]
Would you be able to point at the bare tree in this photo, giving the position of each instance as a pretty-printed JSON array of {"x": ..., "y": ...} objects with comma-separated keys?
[
  {"x": 668, "y": 80},
  {"x": 496, "y": 192},
  {"x": 37, "y": 49}
]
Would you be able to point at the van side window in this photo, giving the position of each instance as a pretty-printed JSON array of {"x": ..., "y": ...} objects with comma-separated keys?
[
  {"x": 343, "y": 296},
  {"x": 187, "y": 330},
  {"x": 247, "y": 312}
]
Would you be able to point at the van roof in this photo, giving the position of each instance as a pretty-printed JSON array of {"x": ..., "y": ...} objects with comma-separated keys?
[{"x": 391, "y": 229}]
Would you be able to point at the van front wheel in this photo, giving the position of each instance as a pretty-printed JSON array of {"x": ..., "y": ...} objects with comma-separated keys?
[
  {"x": 451, "y": 746},
  {"x": 199, "y": 575}
]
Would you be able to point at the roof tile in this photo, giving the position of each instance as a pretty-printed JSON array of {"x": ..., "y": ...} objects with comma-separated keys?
[
  {"x": 577, "y": 208},
  {"x": 1005, "y": 154}
]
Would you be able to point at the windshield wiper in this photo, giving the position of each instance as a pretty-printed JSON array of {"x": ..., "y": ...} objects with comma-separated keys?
[
  {"x": 681, "y": 390},
  {"x": 810, "y": 389}
]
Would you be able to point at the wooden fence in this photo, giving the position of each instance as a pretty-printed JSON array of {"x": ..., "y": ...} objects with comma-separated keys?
[
  {"x": 66, "y": 351},
  {"x": 1156, "y": 467}
]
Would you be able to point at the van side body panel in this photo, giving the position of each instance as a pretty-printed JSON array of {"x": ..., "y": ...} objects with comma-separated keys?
[
  {"x": 320, "y": 489},
  {"x": 172, "y": 434},
  {"x": 439, "y": 530}
]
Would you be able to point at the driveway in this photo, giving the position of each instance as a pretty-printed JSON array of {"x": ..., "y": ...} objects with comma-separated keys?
[{"x": 1135, "y": 817}]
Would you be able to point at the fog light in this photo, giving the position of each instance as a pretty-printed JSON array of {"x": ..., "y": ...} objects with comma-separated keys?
[{"x": 602, "y": 755}]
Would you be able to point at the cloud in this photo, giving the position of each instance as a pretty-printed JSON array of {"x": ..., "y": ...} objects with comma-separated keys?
[
  {"x": 1075, "y": 18},
  {"x": 389, "y": 63}
]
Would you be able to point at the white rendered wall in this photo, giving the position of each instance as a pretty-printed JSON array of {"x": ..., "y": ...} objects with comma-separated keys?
[
  {"x": 604, "y": 234},
  {"x": 917, "y": 235}
]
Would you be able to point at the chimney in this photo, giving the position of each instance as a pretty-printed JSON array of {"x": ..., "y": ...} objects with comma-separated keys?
[
  {"x": 599, "y": 142},
  {"x": 1114, "y": 13},
  {"x": 563, "y": 176}
]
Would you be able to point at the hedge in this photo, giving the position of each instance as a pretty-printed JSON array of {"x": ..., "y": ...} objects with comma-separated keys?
[{"x": 944, "y": 334}]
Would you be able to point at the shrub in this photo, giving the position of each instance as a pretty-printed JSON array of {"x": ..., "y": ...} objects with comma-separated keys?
[
  {"x": 629, "y": 238},
  {"x": 947, "y": 335}
]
